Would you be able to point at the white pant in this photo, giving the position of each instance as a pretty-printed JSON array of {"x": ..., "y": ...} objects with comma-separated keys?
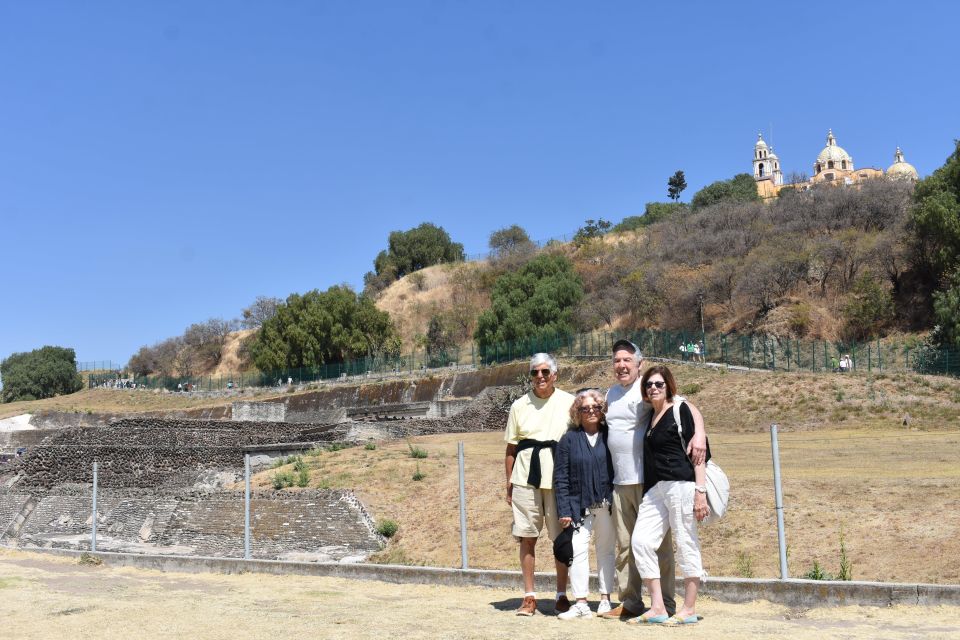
[
  {"x": 598, "y": 525},
  {"x": 667, "y": 505}
]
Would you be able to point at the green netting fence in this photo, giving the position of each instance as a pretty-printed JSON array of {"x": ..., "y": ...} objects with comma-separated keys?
[{"x": 755, "y": 351}]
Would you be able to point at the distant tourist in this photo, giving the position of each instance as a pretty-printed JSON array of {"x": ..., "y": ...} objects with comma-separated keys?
[
  {"x": 683, "y": 351},
  {"x": 537, "y": 420},
  {"x": 583, "y": 484},
  {"x": 675, "y": 499}
]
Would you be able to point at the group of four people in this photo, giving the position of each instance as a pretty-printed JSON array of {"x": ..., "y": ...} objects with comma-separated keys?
[{"x": 616, "y": 469}]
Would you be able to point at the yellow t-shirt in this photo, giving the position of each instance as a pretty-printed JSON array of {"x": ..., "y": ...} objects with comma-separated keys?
[{"x": 533, "y": 418}]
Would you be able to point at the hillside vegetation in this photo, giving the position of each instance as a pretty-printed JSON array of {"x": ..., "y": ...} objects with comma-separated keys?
[{"x": 830, "y": 263}]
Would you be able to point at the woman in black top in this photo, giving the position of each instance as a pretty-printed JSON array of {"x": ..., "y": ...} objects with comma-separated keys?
[
  {"x": 583, "y": 485},
  {"x": 674, "y": 499}
]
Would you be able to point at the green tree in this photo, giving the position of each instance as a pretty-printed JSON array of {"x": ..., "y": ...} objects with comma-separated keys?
[
  {"x": 537, "y": 299},
  {"x": 590, "y": 230},
  {"x": 654, "y": 212},
  {"x": 418, "y": 248},
  {"x": 740, "y": 188},
  {"x": 935, "y": 219},
  {"x": 870, "y": 309},
  {"x": 946, "y": 307},
  {"x": 41, "y": 373},
  {"x": 509, "y": 242},
  {"x": 322, "y": 327},
  {"x": 675, "y": 185},
  {"x": 439, "y": 341}
]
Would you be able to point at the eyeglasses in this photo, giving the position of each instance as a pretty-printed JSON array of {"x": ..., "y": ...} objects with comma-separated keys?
[
  {"x": 593, "y": 408},
  {"x": 659, "y": 384},
  {"x": 540, "y": 372}
]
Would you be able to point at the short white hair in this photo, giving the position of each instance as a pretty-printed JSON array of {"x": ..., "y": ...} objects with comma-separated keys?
[{"x": 543, "y": 358}]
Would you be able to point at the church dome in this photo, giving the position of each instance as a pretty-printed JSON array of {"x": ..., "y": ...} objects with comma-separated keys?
[
  {"x": 901, "y": 169},
  {"x": 760, "y": 143},
  {"x": 834, "y": 152}
]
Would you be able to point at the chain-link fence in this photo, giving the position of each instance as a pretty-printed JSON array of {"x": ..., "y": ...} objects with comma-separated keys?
[{"x": 758, "y": 351}]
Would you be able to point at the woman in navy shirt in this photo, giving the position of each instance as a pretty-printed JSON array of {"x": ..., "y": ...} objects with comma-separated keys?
[{"x": 583, "y": 485}]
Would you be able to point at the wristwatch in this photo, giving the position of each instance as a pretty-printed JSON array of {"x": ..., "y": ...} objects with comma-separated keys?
[{"x": 700, "y": 489}]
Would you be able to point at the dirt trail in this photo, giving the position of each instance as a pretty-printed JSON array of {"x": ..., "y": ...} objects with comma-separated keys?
[{"x": 43, "y": 597}]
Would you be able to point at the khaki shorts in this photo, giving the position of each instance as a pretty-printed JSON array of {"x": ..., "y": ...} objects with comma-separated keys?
[{"x": 531, "y": 507}]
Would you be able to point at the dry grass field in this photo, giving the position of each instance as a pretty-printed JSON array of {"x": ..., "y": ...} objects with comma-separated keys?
[
  {"x": 850, "y": 467},
  {"x": 48, "y": 597}
]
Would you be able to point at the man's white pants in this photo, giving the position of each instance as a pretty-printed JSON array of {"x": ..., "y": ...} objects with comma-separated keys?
[
  {"x": 596, "y": 526},
  {"x": 667, "y": 505}
]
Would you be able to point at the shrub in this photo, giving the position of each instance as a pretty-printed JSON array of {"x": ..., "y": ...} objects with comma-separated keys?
[
  {"x": 744, "y": 565},
  {"x": 282, "y": 480},
  {"x": 419, "y": 475},
  {"x": 387, "y": 528},
  {"x": 817, "y": 573},
  {"x": 690, "y": 389},
  {"x": 370, "y": 446},
  {"x": 417, "y": 452},
  {"x": 299, "y": 465},
  {"x": 336, "y": 446},
  {"x": 303, "y": 477}
]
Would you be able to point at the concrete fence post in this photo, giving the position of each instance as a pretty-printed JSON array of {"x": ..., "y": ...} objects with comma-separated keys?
[
  {"x": 778, "y": 502},
  {"x": 246, "y": 506},
  {"x": 93, "y": 531},
  {"x": 463, "y": 508}
]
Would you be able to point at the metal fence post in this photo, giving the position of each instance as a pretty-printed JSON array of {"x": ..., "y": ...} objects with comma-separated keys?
[
  {"x": 778, "y": 498},
  {"x": 463, "y": 509},
  {"x": 246, "y": 506},
  {"x": 93, "y": 532}
]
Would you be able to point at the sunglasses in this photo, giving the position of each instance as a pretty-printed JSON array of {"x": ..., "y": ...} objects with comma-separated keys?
[
  {"x": 591, "y": 409},
  {"x": 659, "y": 384},
  {"x": 540, "y": 372}
]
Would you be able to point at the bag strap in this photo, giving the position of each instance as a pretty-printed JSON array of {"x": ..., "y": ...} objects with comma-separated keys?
[{"x": 676, "y": 419}]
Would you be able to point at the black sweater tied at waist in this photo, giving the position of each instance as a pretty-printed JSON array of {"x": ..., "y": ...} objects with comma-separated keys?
[{"x": 534, "y": 476}]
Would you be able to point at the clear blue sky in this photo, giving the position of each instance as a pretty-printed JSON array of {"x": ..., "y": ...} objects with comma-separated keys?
[{"x": 162, "y": 163}]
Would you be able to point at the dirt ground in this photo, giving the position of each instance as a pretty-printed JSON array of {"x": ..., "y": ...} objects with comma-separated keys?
[{"x": 49, "y": 597}]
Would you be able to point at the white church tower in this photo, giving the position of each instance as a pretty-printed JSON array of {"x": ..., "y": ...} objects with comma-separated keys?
[{"x": 766, "y": 164}]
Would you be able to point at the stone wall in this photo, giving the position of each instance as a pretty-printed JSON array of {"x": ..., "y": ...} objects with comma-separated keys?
[
  {"x": 259, "y": 411},
  {"x": 148, "y": 452},
  {"x": 319, "y": 525}
]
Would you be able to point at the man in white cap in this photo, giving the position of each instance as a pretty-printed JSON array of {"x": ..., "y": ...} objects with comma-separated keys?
[{"x": 628, "y": 417}]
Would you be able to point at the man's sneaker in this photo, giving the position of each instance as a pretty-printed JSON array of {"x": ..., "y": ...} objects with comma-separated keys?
[
  {"x": 529, "y": 606},
  {"x": 578, "y": 610},
  {"x": 603, "y": 607},
  {"x": 562, "y": 605}
]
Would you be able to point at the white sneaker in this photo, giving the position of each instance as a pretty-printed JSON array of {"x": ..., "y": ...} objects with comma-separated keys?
[
  {"x": 577, "y": 610},
  {"x": 603, "y": 607}
]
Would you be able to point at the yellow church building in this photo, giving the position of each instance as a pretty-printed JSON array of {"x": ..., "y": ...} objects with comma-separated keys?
[{"x": 832, "y": 166}]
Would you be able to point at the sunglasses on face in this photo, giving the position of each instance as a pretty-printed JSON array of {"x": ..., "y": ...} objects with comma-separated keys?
[
  {"x": 595, "y": 408},
  {"x": 659, "y": 384},
  {"x": 540, "y": 372}
]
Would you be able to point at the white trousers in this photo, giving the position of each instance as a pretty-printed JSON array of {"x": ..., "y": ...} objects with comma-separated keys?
[
  {"x": 668, "y": 505},
  {"x": 598, "y": 526}
]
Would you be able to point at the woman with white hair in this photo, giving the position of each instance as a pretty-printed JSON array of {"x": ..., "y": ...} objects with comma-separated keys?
[{"x": 583, "y": 485}]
